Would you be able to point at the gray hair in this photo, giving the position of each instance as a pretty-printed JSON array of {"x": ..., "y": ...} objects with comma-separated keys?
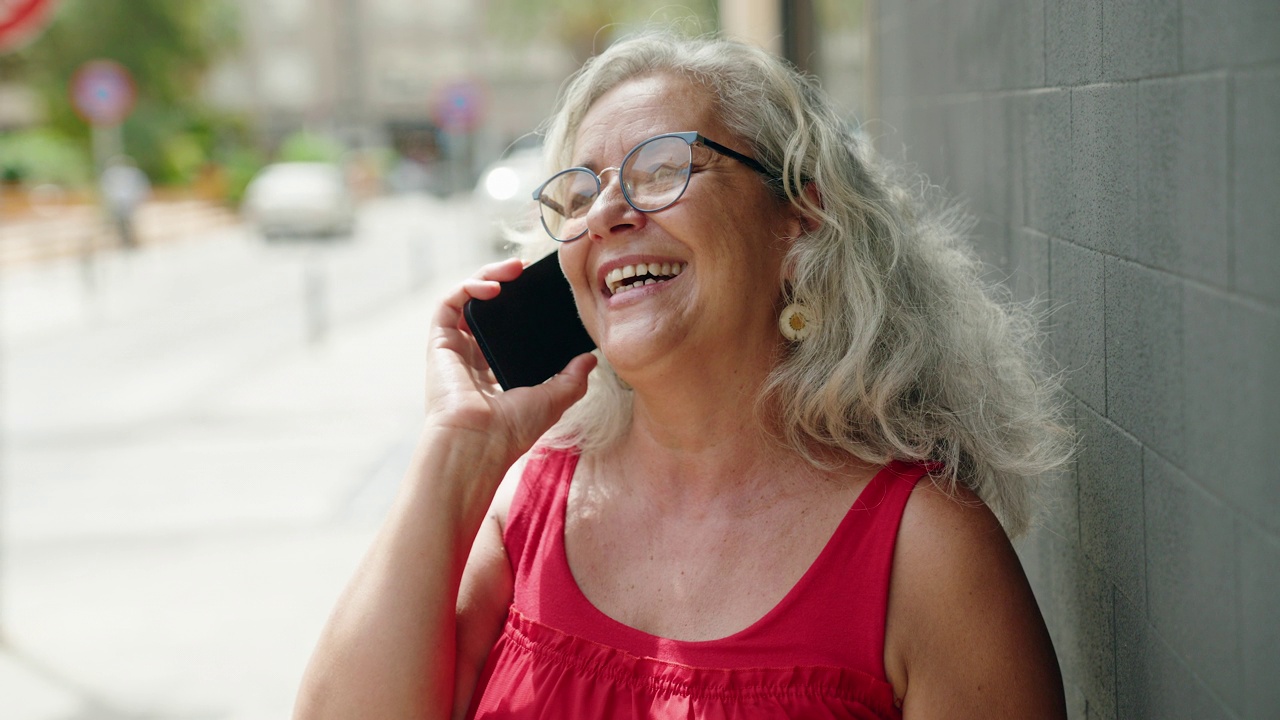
[{"x": 916, "y": 357}]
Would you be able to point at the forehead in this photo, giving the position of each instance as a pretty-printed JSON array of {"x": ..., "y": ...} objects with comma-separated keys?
[{"x": 640, "y": 108}]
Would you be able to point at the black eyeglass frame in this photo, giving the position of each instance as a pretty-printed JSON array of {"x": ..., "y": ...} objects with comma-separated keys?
[{"x": 690, "y": 137}]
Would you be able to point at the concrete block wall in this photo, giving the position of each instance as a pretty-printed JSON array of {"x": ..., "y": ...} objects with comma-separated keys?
[{"x": 1123, "y": 160}]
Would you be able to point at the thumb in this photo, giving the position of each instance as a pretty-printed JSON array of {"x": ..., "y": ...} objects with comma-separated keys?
[
  {"x": 542, "y": 405},
  {"x": 569, "y": 385}
]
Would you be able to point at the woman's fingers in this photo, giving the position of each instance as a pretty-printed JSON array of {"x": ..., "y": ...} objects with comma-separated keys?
[
  {"x": 484, "y": 285},
  {"x": 456, "y": 359}
]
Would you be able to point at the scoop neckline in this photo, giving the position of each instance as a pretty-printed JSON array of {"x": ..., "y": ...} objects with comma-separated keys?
[{"x": 640, "y": 637}]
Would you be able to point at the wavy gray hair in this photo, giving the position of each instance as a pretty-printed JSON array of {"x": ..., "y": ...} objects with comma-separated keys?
[{"x": 916, "y": 358}]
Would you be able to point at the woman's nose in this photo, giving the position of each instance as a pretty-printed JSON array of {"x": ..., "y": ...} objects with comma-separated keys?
[{"x": 611, "y": 213}]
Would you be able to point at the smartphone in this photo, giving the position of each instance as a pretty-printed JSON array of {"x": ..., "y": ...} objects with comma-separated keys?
[{"x": 531, "y": 330}]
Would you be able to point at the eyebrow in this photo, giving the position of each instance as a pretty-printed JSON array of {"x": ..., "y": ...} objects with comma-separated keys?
[{"x": 591, "y": 164}]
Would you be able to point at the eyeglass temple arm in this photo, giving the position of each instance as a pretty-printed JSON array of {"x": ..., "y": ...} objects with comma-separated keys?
[
  {"x": 550, "y": 203},
  {"x": 728, "y": 152}
]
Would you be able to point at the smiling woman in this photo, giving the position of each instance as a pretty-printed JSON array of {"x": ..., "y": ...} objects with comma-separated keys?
[{"x": 783, "y": 486}]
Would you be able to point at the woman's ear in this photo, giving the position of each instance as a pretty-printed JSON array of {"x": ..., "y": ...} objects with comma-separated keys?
[{"x": 806, "y": 211}]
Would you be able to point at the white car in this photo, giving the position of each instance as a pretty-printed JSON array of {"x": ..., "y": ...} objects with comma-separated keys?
[
  {"x": 300, "y": 199},
  {"x": 504, "y": 194}
]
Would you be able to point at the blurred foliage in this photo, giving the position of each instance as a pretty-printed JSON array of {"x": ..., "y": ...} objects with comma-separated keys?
[
  {"x": 239, "y": 165},
  {"x": 35, "y": 157},
  {"x": 304, "y": 146},
  {"x": 588, "y": 26},
  {"x": 166, "y": 45}
]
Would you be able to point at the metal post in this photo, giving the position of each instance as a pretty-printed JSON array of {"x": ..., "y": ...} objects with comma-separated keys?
[
  {"x": 108, "y": 142},
  {"x": 871, "y": 75},
  {"x": 799, "y": 35},
  {"x": 315, "y": 305}
]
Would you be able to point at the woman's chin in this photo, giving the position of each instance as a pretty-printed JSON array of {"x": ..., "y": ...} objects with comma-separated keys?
[{"x": 633, "y": 356}]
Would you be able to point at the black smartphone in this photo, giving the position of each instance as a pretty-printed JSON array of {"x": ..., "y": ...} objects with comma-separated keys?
[{"x": 531, "y": 330}]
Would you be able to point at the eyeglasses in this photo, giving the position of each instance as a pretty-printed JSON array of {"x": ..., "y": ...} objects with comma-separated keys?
[{"x": 653, "y": 176}]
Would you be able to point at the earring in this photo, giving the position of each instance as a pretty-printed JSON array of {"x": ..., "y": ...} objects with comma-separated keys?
[{"x": 797, "y": 322}]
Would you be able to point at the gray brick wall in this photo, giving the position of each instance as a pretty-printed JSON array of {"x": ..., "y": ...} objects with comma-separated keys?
[{"x": 1123, "y": 160}]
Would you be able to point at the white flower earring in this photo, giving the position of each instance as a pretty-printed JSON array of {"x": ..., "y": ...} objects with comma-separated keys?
[{"x": 797, "y": 321}]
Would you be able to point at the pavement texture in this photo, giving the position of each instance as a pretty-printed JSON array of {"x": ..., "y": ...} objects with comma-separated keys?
[{"x": 177, "y": 523}]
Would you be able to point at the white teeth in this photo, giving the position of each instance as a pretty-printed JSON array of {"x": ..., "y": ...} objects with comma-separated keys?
[{"x": 666, "y": 271}]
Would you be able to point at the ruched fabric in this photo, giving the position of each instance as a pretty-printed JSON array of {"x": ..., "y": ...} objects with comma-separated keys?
[{"x": 818, "y": 654}]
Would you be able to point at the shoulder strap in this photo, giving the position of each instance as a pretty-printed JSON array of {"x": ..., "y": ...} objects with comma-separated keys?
[{"x": 533, "y": 511}]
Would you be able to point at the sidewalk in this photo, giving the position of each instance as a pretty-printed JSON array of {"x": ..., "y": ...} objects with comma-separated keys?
[
  {"x": 180, "y": 562},
  {"x": 210, "y": 609}
]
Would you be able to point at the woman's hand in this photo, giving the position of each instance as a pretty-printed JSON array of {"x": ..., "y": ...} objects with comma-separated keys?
[
  {"x": 463, "y": 397},
  {"x": 390, "y": 647}
]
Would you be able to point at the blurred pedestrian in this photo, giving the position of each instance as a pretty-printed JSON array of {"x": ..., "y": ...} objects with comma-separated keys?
[{"x": 124, "y": 187}]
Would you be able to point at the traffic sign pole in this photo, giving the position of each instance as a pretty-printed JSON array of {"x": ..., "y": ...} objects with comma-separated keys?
[
  {"x": 458, "y": 108},
  {"x": 108, "y": 142},
  {"x": 102, "y": 92}
]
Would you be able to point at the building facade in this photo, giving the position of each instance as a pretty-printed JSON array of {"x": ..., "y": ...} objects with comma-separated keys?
[
  {"x": 424, "y": 77},
  {"x": 1122, "y": 158}
]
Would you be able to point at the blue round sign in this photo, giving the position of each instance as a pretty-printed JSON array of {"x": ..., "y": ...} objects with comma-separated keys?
[
  {"x": 458, "y": 106},
  {"x": 102, "y": 92}
]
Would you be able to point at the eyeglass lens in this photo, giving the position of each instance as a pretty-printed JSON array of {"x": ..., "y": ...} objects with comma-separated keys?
[{"x": 653, "y": 176}]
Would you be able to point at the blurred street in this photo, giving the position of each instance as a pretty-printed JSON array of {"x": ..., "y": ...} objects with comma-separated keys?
[{"x": 199, "y": 439}]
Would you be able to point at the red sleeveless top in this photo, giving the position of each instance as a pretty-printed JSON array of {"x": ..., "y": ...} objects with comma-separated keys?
[{"x": 818, "y": 654}]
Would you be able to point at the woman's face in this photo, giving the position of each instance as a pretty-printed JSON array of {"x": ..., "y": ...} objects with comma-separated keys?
[{"x": 726, "y": 234}]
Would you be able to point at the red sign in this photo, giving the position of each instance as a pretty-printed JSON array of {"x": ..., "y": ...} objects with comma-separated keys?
[
  {"x": 102, "y": 92},
  {"x": 21, "y": 20},
  {"x": 458, "y": 106}
]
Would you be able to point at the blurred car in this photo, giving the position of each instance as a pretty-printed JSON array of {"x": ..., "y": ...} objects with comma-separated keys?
[
  {"x": 504, "y": 194},
  {"x": 300, "y": 199}
]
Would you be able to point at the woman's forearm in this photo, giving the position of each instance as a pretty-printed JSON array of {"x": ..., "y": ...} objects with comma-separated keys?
[{"x": 388, "y": 649}]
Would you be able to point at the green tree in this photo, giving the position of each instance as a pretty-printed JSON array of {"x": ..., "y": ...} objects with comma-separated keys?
[
  {"x": 166, "y": 45},
  {"x": 304, "y": 146}
]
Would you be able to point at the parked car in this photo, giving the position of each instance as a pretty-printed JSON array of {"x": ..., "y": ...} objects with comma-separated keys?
[
  {"x": 300, "y": 199},
  {"x": 504, "y": 194}
]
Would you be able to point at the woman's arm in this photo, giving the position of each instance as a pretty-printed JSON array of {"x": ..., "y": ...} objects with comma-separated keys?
[
  {"x": 965, "y": 638},
  {"x": 485, "y": 595},
  {"x": 389, "y": 650}
]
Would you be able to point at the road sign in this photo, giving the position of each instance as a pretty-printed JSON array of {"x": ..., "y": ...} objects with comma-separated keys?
[
  {"x": 458, "y": 106},
  {"x": 21, "y": 20},
  {"x": 102, "y": 92}
]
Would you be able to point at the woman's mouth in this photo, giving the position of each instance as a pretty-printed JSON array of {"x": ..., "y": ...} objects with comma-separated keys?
[{"x": 630, "y": 277}]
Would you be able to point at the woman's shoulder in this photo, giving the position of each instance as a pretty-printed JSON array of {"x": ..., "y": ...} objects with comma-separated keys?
[
  {"x": 959, "y": 598},
  {"x": 937, "y": 517},
  {"x": 950, "y": 545}
]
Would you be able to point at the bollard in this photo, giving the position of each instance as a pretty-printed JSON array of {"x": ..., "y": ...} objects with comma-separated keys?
[{"x": 315, "y": 296}]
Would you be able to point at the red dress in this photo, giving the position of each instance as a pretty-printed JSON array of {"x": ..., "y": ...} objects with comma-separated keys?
[{"x": 818, "y": 654}]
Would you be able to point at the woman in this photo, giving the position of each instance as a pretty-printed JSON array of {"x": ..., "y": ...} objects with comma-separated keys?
[{"x": 779, "y": 496}]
